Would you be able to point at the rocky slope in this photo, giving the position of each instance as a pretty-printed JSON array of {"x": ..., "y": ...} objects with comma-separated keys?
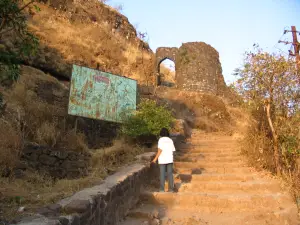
[{"x": 86, "y": 33}]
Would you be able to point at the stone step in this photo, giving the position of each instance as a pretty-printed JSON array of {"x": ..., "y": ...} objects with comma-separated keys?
[
  {"x": 133, "y": 221},
  {"x": 210, "y": 150},
  {"x": 207, "y": 164},
  {"x": 201, "y": 158},
  {"x": 211, "y": 202},
  {"x": 219, "y": 156},
  {"x": 220, "y": 170},
  {"x": 215, "y": 177},
  {"x": 283, "y": 216},
  {"x": 253, "y": 187},
  {"x": 148, "y": 212}
]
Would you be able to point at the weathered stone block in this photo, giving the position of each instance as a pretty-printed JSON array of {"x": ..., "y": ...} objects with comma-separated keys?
[
  {"x": 197, "y": 67},
  {"x": 47, "y": 160},
  {"x": 77, "y": 206},
  {"x": 59, "y": 154}
]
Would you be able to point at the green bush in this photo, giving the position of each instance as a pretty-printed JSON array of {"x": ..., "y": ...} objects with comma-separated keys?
[
  {"x": 13, "y": 23},
  {"x": 147, "y": 120}
]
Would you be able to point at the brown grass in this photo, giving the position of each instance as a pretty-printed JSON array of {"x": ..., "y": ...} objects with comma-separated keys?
[
  {"x": 90, "y": 44},
  {"x": 37, "y": 190},
  {"x": 10, "y": 145},
  {"x": 72, "y": 141},
  {"x": 257, "y": 146},
  {"x": 47, "y": 134},
  {"x": 168, "y": 74},
  {"x": 210, "y": 112}
]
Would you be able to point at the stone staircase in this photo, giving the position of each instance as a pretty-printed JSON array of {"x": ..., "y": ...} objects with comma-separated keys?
[{"x": 215, "y": 186}]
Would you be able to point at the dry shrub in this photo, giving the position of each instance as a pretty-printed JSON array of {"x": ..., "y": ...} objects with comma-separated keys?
[
  {"x": 256, "y": 146},
  {"x": 37, "y": 189},
  {"x": 87, "y": 43},
  {"x": 209, "y": 111},
  {"x": 120, "y": 153},
  {"x": 295, "y": 181},
  {"x": 40, "y": 120},
  {"x": 72, "y": 141},
  {"x": 205, "y": 124},
  {"x": 10, "y": 145},
  {"x": 34, "y": 113},
  {"x": 47, "y": 134}
]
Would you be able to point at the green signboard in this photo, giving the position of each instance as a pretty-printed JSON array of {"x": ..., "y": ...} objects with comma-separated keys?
[{"x": 100, "y": 95}]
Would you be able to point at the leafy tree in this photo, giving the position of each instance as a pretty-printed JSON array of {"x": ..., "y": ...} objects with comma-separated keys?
[
  {"x": 269, "y": 84},
  {"x": 13, "y": 22},
  {"x": 147, "y": 120}
]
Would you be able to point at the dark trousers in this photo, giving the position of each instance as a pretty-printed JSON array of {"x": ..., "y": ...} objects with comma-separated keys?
[{"x": 169, "y": 169}]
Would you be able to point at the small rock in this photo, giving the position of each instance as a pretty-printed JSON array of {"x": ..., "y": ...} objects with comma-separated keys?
[
  {"x": 21, "y": 209},
  {"x": 155, "y": 222},
  {"x": 154, "y": 214},
  {"x": 77, "y": 206}
]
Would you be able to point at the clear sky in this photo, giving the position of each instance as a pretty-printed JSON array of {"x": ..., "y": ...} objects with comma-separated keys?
[{"x": 230, "y": 26}]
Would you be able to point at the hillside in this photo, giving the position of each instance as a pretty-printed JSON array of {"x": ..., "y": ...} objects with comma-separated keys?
[
  {"x": 46, "y": 154},
  {"x": 87, "y": 33}
]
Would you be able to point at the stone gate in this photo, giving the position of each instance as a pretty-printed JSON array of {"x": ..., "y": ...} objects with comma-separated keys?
[{"x": 197, "y": 67}]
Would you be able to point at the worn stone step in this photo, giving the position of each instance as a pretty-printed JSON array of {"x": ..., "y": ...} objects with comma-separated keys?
[
  {"x": 282, "y": 216},
  {"x": 220, "y": 170},
  {"x": 212, "y": 202},
  {"x": 254, "y": 186},
  {"x": 147, "y": 211},
  {"x": 207, "y": 164},
  {"x": 215, "y": 177},
  {"x": 201, "y": 158},
  {"x": 211, "y": 150},
  {"x": 133, "y": 221},
  {"x": 210, "y": 155}
]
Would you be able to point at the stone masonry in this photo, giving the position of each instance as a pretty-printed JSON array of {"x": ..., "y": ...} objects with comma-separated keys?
[
  {"x": 58, "y": 164},
  {"x": 197, "y": 67},
  {"x": 104, "y": 204}
]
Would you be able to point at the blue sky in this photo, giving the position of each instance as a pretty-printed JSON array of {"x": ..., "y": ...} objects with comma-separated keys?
[{"x": 230, "y": 26}]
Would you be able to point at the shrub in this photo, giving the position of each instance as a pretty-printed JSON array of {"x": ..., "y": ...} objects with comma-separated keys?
[
  {"x": 11, "y": 143},
  {"x": 147, "y": 120},
  {"x": 72, "y": 141},
  {"x": 47, "y": 134},
  {"x": 13, "y": 21}
]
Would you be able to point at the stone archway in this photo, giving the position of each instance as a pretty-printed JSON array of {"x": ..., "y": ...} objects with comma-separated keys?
[
  {"x": 161, "y": 55},
  {"x": 166, "y": 72},
  {"x": 197, "y": 67}
]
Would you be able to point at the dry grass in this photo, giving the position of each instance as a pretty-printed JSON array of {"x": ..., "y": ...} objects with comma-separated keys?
[
  {"x": 257, "y": 147},
  {"x": 72, "y": 141},
  {"x": 41, "y": 121},
  {"x": 89, "y": 43},
  {"x": 210, "y": 112},
  {"x": 11, "y": 144},
  {"x": 47, "y": 134},
  {"x": 168, "y": 74},
  {"x": 37, "y": 190}
]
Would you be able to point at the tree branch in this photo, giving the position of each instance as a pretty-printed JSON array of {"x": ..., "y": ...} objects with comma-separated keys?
[
  {"x": 2, "y": 24},
  {"x": 25, "y": 6}
]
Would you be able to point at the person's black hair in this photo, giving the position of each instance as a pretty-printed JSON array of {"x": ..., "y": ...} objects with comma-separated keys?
[{"x": 164, "y": 132}]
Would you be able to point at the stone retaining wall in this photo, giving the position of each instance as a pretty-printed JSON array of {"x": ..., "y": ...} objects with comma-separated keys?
[
  {"x": 104, "y": 204},
  {"x": 58, "y": 164}
]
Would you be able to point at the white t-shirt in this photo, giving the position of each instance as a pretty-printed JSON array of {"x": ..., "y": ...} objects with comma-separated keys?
[{"x": 167, "y": 146}]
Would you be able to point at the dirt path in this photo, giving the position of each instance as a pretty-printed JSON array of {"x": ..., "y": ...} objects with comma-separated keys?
[{"x": 215, "y": 186}]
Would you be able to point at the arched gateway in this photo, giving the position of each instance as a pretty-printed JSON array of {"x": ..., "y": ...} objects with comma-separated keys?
[{"x": 197, "y": 67}]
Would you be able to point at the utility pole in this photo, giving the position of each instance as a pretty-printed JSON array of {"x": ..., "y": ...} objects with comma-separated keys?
[{"x": 295, "y": 43}]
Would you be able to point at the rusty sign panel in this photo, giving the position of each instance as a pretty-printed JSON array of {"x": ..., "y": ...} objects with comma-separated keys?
[{"x": 100, "y": 95}]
